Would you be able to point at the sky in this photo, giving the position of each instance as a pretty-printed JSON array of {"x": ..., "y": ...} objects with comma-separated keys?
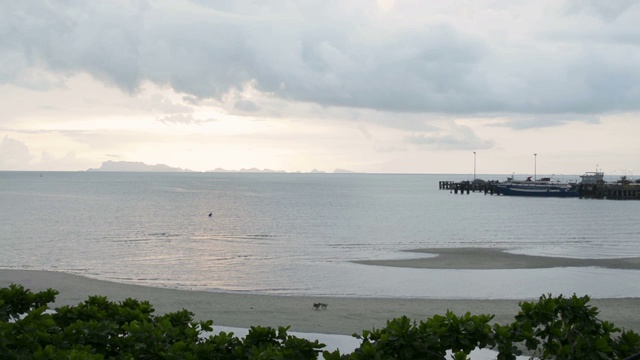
[{"x": 387, "y": 86}]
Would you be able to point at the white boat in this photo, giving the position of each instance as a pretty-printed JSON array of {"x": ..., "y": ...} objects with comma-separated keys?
[
  {"x": 593, "y": 177},
  {"x": 545, "y": 187}
]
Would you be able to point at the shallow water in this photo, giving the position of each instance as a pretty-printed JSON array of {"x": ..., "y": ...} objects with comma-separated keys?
[{"x": 296, "y": 234}]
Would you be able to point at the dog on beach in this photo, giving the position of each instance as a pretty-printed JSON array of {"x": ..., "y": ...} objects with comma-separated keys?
[{"x": 319, "y": 306}]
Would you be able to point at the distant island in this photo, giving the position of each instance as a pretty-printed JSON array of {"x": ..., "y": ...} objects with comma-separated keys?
[
  {"x": 132, "y": 166},
  {"x": 138, "y": 166},
  {"x": 251, "y": 170}
]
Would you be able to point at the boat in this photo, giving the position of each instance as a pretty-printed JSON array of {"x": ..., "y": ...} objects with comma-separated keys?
[
  {"x": 592, "y": 177},
  {"x": 545, "y": 187}
]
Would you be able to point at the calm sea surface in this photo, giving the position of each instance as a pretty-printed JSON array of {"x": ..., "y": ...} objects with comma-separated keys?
[{"x": 297, "y": 234}]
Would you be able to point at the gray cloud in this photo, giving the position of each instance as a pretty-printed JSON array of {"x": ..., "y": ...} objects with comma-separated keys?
[
  {"x": 246, "y": 105},
  {"x": 524, "y": 123},
  {"x": 457, "y": 138},
  {"x": 333, "y": 54},
  {"x": 605, "y": 10},
  {"x": 102, "y": 39}
]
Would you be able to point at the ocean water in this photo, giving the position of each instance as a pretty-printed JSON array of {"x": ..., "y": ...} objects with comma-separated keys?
[{"x": 298, "y": 234}]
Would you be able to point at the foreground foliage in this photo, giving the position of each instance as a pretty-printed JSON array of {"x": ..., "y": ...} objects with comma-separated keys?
[{"x": 552, "y": 328}]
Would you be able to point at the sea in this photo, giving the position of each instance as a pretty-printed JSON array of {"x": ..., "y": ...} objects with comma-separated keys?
[{"x": 300, "y": 234}]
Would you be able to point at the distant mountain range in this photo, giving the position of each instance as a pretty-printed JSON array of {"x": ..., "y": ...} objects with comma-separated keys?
[
  {"x": 132, "y": 166},
  {"x": 251, "y": 170}
]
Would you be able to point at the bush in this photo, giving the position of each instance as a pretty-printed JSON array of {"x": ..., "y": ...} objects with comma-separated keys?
[
  {"x": 552, "y": 328},
  {"x": 568, "y": 328}
]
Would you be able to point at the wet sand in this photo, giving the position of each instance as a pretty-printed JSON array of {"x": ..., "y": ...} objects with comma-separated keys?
[
  {"x": 495, "y": 258},
  {"x": 343, "y": 315}
]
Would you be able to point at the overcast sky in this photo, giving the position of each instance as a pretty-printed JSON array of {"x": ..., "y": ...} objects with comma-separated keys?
[{"x": 380, "y": 87}]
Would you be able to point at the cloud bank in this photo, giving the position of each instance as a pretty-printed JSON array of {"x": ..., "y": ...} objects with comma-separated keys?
[
  {"x": 372, "y": 86},
  {"x": 463, "y": 57}
]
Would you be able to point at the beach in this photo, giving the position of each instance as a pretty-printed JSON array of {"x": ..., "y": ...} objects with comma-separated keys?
[{"x": 343, "y": 315}]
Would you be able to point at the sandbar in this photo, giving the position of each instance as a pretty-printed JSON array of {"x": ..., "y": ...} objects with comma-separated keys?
[
  {"x": 496, "y": 258},
  {"x": 344, "y": 316}
]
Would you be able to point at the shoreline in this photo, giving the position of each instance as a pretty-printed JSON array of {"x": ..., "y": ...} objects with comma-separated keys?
[{"x": 343, "y": 316}]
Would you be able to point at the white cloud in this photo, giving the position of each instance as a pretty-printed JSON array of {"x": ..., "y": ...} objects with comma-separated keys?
[{"x": 16, "y": 155}]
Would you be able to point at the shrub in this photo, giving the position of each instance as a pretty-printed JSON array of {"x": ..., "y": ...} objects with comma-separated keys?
[{"x": 551, "y": 328}]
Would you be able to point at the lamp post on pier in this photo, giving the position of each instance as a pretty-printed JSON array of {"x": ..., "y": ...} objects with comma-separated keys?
[
  {"x": 535, "y": 166},
  {"x": 474, "y": 165}
]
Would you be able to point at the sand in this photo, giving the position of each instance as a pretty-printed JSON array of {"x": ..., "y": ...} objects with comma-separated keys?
[
  {"x": 495, "y": 258},
  {"x": 344, "y": 316}
]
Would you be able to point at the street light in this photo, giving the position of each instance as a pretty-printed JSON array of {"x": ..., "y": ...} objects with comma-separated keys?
[
  {"x": 535, "y": 165},
  {"x": 474, "y": 165}
]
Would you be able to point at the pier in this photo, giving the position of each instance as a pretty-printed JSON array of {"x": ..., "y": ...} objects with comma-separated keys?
[
  {"x": 487, "y": 187},
  {"x": 612, "y": 191},
  {"x": 621, "y": 190}
]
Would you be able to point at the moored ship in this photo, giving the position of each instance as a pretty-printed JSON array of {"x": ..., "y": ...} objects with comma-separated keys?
[
  {"x": 545, "y": 187},
  {"x": 592, "y": 177}
]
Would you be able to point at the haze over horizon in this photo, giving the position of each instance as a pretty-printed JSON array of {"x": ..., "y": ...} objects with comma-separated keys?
[{"x": 387, "y": 86}]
